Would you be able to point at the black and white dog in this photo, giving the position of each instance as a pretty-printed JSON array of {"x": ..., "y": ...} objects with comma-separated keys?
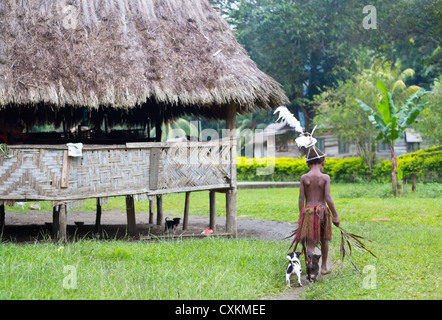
[
  {"x": 171, "y": 223},
  {"x": 294, "y": 267}
]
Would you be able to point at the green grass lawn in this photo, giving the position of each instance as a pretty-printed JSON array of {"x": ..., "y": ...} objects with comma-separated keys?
[
  {"x": 409, "y": 250},
  {"x": 138, "y": 270}
]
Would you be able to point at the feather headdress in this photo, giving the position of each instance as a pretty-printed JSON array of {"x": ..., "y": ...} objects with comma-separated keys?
[
  {"x": 305, "y": 141},
  {"x": 288, "y": 117}
]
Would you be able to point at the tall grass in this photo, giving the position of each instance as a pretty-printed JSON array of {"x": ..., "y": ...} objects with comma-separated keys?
[{"x": 191, "y": 269}]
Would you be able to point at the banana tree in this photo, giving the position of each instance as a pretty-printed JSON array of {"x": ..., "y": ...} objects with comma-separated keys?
[{"x": 391, "y": 122}]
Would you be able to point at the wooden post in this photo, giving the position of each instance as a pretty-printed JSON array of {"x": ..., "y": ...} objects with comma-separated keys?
[
  {"x": 55, "y": 222},
  {"x": 231, "y": 193},
  {"x": 231, "y": 226},
  {"x": 65, "y": 171},
  {"x": 159, "y": 210},
  {"x": 62, "y": 218},
  {"x": 130, "y": 212},
  {"x": 2, "y": 217},
  {"x": 186, "y": 211},
  {"x": 151, "y": 210},
  {"x": 212, "y": 205},
  {"x": 98, "y": 217},
  {"x": 413, "y": 187},
  {"x": 154, "y": 167}
]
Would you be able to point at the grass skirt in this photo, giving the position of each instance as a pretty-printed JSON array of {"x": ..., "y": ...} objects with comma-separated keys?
[{"x": 314, "y": 225}]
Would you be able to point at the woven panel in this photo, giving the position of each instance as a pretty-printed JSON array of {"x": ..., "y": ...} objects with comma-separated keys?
[
  {"x": 194, "y": 166},
  {"x": 109, "y": 172},
  {"x": 31, "y": 172},
  {"x": 35, "y": 174}
]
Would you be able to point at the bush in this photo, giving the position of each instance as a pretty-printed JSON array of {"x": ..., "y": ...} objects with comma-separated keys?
[
  {"x": 425, "y": 164},
  {"x": 350, "y": 170},
  {"x": 286, "y": 169}
]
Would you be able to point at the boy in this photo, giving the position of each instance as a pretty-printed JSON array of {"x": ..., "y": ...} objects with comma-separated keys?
[{"x": 314, "y": 218}]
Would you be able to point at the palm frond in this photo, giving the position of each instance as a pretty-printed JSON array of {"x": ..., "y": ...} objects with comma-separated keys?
[
  {"x": 413, "y": 89},
  {"x": 355, "y": 240},
  {"x": 407, "y": 73},
  {"x": 399, "y": 85}
]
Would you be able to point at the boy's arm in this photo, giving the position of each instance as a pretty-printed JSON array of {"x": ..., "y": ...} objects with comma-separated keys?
[
  {"x": 301, "y": 199},
  {"x": 330, "y": 203}
]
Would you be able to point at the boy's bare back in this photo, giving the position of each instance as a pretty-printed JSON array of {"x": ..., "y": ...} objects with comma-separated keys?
[{"x": 314, "y": 190}]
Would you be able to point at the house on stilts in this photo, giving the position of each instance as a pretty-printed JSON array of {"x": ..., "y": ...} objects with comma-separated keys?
[{"x": 115, "y": 65}]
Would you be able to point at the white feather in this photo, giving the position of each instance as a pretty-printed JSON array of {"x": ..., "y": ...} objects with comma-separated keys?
[
  {"x": 305, "y": 141},
  {"x": 288, "y": 117}
]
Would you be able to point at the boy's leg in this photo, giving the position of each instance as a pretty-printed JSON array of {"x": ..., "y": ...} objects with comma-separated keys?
[
  {"x": 324, "y": 252},
  {"x": 310, "y": 247},
  {"x": 310, "y": 250}
]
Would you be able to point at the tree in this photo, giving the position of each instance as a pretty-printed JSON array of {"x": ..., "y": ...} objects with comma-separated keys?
[
  {"x": 410, "y": 31},
  {"x": 337, "y": 109},
  {"x": 311, "y": 45},
  {"x": 391, "y": 122},
  {"x": 430, "y": 124},
  {"x": 304, "y": 45},
  {"x": 224, "y": 6},
  {"x": 307, "y": 45}
]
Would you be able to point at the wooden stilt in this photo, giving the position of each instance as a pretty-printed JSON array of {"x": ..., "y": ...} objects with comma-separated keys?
[
  {"x": 159, "y": 210},
  {"x": 98, "y": 217},
  {"x": 231, "y": 226},
  {"x": 212, "y": 222},
  {"x": 231, "y": 193},
  {"x": 55, "y": 222},
  {"x": 186, "y": 211},
  {"x": 151, "y": 210},
  {"x": 130, "y": 211},
  {"x": 2, "y": 217},
  {"x": 62, "y": 218}
]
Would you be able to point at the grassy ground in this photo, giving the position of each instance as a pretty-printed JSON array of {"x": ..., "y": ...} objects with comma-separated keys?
[
  {"x": 408, "y": 247},
  {"x": 137, "y": 270}
]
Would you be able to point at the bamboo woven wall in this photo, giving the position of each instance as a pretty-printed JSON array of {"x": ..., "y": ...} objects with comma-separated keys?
[{"x": 35, "y": 172}]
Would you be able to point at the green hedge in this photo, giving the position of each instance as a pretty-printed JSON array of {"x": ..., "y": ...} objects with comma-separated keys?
[{"x": 425, "y": 164}]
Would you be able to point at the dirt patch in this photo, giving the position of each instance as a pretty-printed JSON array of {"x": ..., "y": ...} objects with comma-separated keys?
[{"x": 36, "y": 225}]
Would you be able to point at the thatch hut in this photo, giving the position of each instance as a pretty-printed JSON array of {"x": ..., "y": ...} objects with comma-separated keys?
[{"x": 108, "y": 62}]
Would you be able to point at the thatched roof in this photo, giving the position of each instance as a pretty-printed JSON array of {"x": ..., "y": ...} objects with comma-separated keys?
[{"x": 179, "y": 55}]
